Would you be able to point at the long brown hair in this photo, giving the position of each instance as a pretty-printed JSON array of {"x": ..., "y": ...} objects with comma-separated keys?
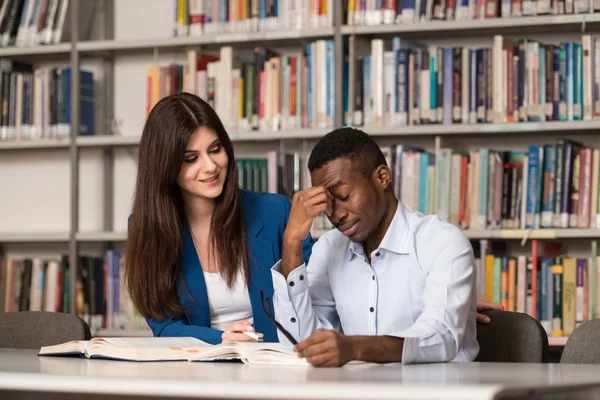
[{"x": 154, "y": 245}]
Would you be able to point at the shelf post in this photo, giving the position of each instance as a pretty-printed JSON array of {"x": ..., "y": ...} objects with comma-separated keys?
[
  {"x": 108, "y": 105},
  {"x": 74, "y": 153},
  {"x": 338, "y": 41}
]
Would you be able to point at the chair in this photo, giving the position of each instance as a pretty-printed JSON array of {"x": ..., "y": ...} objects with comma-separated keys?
[
  {"x": 34, "y": 329},
  {"x": 582, "y": 346},
  {"x": 512, "y": 337}
]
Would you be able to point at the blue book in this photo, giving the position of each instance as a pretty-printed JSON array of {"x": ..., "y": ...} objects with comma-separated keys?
[
  {"x": 402, "y": 85},
  {"x": 472, "y": 86},
  {"x": 556, "y": 79},
  {"x": 562, "y": 86},
  {"x": 423, "y": 183},
  {"x": 432, "y": 84},
  {"x": 577, "y": 82},
  {"x": 346, "y": 121},
  {"x": 367, "y": 102},
  {"x": 86, "y": 106},
  {"x": 448, "y": 88},
  {"x": 532, "y": 186}
]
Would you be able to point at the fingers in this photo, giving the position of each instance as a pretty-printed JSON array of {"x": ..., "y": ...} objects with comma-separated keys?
[
  {"x": 311, "y": 192},
  {"x": 315, "y": 349},
  {"x": 323, "y": 202},
  {"x": 242, "y": 326},
  {"x": 485, "y": 304},
  {"x": 317, "y": 337},
  {"x": 483, "y": 319},
  {"x": 323, "y": 360},
  {"x": 235, "y": 337}
]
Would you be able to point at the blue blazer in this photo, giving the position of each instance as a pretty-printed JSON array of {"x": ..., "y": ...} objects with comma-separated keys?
[{"x": 266, "y": 216}]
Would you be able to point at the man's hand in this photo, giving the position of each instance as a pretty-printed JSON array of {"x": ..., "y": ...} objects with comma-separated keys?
[
  {"x": 306, "y": 206},
  {"x": 326, "y": 348},
  {"x": 484, "y": 305}
]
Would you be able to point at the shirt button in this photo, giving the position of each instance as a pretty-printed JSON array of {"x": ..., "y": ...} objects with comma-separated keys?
[
  {"x": 301, "y": 277},
  {"x": 373, "y": 277},
  {"x": 377, "y": 254},
  {"x": 371, "y": 309},
  {"x": 292, "y": 283},
  {"x": 293, "y": 319}
]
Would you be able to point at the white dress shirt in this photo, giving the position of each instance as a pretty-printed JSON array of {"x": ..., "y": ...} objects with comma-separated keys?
[{"x": 420, "y": 286}]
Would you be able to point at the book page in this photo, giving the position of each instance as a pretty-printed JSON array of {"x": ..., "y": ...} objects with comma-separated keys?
[
  {"x": 269, "y": 354},
  {"x": 144, "y": 349},
  {"x": 72, "y": 347},
  {"x": 153, "y": 342}
]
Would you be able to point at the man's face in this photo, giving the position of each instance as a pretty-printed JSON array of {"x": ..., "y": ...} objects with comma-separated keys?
[{"x": 356, "y": 210}]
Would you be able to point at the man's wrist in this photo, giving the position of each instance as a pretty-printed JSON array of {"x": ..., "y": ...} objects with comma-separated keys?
[
  {"x": 291, "y": 255},
  {"x": 357, "y": 346},
  {"x": 376, "y": 348},
  {"x": 292, "y": 240}
]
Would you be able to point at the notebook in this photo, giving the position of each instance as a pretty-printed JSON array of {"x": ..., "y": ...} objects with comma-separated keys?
[{"x": 176, "y": 349}]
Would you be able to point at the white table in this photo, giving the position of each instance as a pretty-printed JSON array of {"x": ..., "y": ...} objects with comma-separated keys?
[{"x": 24, "y": 375}]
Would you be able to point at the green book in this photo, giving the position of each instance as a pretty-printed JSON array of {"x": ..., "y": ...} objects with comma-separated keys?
[{"x": 498, "y": 278}]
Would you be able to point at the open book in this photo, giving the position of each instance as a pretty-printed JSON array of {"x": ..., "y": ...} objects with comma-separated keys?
[{"x": 176, "y": 349}]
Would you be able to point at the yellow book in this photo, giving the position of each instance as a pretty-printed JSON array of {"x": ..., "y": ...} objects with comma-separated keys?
[
  {"x": 489, "y": 277},
  {"x": 351, "y": 11},
  {"x": 569, "y": 295}
]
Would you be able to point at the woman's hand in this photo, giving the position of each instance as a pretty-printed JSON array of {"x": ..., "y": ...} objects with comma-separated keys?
[{"x": 234, "y": 332}]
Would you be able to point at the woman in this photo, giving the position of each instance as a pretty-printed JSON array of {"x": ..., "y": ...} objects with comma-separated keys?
[{"x": 199, "y": 249}]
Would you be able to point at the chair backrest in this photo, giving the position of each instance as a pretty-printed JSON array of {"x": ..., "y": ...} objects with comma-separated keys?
[
  {"x": 512, "y": 337},
  {"x": 34, "y": 329},
  {"x": 583, "y": 344}
]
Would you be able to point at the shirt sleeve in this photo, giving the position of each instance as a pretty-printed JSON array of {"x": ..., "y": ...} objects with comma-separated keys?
[
  {"x": 304, "y": 301},
  {"x": 449, "y": 294}
]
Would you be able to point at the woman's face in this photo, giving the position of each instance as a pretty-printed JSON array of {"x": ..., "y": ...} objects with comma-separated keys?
[{"x": 204, "y": 168}]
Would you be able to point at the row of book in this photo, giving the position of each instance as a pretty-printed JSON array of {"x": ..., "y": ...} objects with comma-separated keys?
[
  {"x": 36, "y": 102},
  {"x": 25, "y": 23},
  {"x": 197, "y": 17},
  {"x": 547, "y": 186},
  {"x": 559, "y": 290},
  {"x": 513, "y": 81},
  {"x": 40, "y": 284},
  {"x": 362, "y": 12},
  {"x": 261, "y": 90},
  {"x": 278, "y": 173}
]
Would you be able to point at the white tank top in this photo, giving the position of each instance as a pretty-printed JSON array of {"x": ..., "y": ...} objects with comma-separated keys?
[{"x": 227, "y": 305}]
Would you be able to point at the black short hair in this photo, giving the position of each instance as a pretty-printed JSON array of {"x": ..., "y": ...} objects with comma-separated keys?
[{"x": 350, "y": 143}]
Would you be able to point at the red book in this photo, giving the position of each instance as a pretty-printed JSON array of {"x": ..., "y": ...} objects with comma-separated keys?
[{"x": 534, "y": 271}]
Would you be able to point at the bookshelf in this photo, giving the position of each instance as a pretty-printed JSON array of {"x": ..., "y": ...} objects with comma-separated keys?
[
  {"x": 112, "y": 148},
  {"x": 513, "y": 26}
]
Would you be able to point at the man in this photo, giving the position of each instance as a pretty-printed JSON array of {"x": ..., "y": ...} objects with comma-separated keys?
[{"x": 399, "y": 285}]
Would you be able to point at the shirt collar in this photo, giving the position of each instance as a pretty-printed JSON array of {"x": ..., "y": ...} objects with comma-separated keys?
[{"x": 396, "y": 237}]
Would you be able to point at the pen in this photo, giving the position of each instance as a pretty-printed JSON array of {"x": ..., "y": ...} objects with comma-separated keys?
[{"x": 253, "y": 336}]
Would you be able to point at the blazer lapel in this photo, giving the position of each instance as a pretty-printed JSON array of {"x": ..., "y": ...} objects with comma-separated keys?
[
  {"x": 194, "y": 277},
  {"x": 261, "y": 258}
]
